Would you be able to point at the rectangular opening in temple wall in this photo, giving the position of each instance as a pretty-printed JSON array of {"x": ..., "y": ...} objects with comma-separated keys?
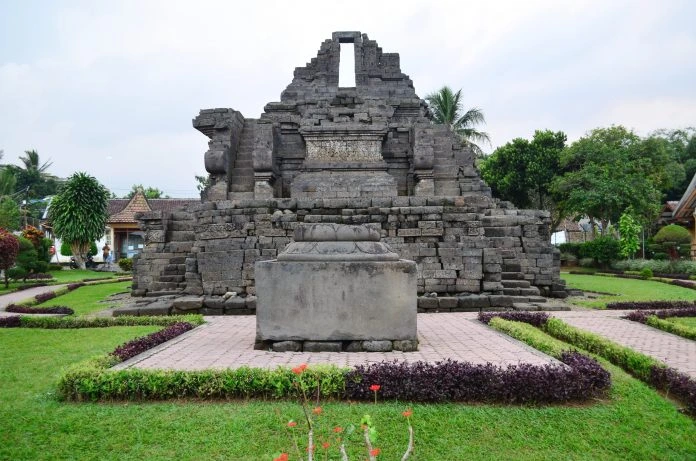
[{"x": 346, "y": 67}]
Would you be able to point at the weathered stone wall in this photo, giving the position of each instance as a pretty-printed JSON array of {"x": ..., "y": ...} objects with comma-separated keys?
[{"x": 460, "y": 244}]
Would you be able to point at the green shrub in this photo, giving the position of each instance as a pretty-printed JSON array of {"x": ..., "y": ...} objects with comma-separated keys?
[
  {"x": 55, "y": 267},
  {"x": 103, "y": 322},
  {"x": 586, "y": 262},
  {"x": 66, "y": 250},
  {"x": 568, "y": 258},
  {"x": 126, "y": 264},
  {"x": 571, "y": 248},
  {"x": 646, "y": 273},
  {"x": 670, "y": 327},
  {"x": 602, "y": 250},
  {"x": 674, "y": 240}
]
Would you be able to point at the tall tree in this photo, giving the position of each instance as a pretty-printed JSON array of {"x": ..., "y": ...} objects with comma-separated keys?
[
  {"x": 10, "y": 217},
  {"x": 608, "y": 171},
  {"x": 523, "y": 171},
  {"x": 448, "y": 109},
  {"x": 679, "y": 146},
  {"x": 150, "y": 192},
  {"x": 78, "y": 213},
  {"x": 33, "y": 178}
]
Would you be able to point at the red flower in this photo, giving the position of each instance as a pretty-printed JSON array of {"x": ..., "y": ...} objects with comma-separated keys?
[
  {"x": 325, "y": 445},
  {"x": 317, "y": 411},
  {"x": 375, "y": 452},
  {"x": 338, "y": 429},
  {"x": 292, "y": 423},
  {"x": 299, "y": 369},
  {"x": 407, "y": 413},
  {"x": 282, "y": 457},
  {"x": 375, "y": 387}
]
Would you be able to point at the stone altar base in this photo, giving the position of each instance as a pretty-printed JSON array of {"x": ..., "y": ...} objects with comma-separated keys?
[{"x": 336, "y": 288}]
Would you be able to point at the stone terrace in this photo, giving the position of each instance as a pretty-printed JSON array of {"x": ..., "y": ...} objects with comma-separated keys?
[{"x": 228, "y": 342}]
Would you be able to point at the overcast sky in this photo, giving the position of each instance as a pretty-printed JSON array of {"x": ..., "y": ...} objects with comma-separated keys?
[{"x": 111, "y": 87}]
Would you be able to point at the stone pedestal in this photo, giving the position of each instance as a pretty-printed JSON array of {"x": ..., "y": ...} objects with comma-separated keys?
[{"x": 337, "y": 287}]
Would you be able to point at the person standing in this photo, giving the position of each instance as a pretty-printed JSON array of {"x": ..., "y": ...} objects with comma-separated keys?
[{"x": 106, "y": 251}]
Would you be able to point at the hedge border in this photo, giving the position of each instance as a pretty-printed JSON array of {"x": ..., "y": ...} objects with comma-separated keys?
[
  {"x": 25, "y": 321},
  {"x": 647, "y": 369},
  {"x": 656, "y": 318}
]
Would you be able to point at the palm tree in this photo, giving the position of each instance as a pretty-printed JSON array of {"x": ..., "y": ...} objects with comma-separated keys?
[
  {"x": 33, "y": 178},
  {"x": 446, "y": 107}
]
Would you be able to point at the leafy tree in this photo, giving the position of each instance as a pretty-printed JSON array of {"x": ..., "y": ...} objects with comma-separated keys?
[
  {"x": 10, "y": 217},
  {"x": 608, "y": 171},
  {"x": 680, "y": 147},
  {"x": 78, "y": 213},
  {"x": 673, "y": 238},
  {"x": 202, "y": 182},
  {"x": 447, "y": 109},
  {"x": 9, "y": 248},
  {"x": 150, "y": 192},
  {"x": 523, "y": 171},
  {"x": 629, "y": 230},
  {"x": 65, "y": 249},
  {"x": 8, "y": 181}
]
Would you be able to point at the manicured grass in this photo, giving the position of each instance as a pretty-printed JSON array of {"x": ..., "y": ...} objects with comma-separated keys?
[
  {"x": 686, "y": 321},
  {"x": 625, "y": 289},
  {"x": 60, "y": 277},
  {"x": 76, "y": 275},
  {"x": 85, "y": 300},
  {"x": 634, "y": 423}
]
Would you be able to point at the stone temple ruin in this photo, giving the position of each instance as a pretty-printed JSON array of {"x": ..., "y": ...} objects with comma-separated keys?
[{"x": 365, "y": 155}]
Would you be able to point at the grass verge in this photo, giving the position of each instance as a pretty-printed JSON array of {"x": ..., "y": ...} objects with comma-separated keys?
[
  {"x": 634, "y": 422},
  {"x": 677, "y": 328},
  {"x": 89, "y": 298},
  {"x": 625, "y": 290}
]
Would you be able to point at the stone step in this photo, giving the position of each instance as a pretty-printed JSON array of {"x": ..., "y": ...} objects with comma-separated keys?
[
  {"x": 531, "y": 291},
  {"x": 512, "y": 276},
  {"x": 507, "y": 283}
]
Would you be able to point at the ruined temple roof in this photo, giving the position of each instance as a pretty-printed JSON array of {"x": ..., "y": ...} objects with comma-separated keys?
[{"x": 124, "y": 210}]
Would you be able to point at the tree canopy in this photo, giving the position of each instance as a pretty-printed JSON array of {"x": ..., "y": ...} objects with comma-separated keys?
[
  {"x": 448, "y": 109},
  {"x": 149, "y": 192},
  {"x": 78, "y": 213},
  {"x": 523, "y": 171}
]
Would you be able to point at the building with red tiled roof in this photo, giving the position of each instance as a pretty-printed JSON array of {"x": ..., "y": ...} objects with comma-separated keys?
[{"x": 123, "y": 233}]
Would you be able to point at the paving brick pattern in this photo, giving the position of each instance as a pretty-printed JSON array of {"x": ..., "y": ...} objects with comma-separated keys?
[
  {"x": 673, "y": 350},
  {"x": 227, "y": 342}
]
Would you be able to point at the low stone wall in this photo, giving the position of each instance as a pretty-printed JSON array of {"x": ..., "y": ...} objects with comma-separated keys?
[{"x": 471, "y": 244}]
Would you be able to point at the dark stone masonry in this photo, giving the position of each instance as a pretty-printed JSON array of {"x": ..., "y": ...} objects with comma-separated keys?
[{"x": 363, "y": 155}]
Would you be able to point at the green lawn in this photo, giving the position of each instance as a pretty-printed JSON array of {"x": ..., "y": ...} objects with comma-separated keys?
[
  {"x": 625, "y": 289},
  {"x": 635, "y": 423},
  {"x": 686, "y": 321},
  {"x": 61, "y": 277},
  {"x": 85, "y": 300}
]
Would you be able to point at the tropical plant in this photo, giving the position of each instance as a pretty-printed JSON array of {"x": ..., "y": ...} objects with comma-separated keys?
[
  {"x": 149, "y": 192},
  {"x": 447, "y": 109},
  {"x": 672, "y": 238},
  {"x": 32, "y": 177},
  {"x": 629, "y": 230},
  {"x": 9, "y": 248},
  {"x": 78, "y": 213}
]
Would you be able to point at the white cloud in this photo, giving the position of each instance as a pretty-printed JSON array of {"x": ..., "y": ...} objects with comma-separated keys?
[{"x": 124, "y": 79}]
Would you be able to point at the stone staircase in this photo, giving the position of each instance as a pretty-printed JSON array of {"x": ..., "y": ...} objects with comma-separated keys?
[
  {"x": 514, "y": 283},
  {"x": 242, "y": 177}
]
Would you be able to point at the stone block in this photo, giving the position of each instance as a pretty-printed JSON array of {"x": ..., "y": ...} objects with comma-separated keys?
[
  {"x": 287, "y": 346},
  {"x": 322, "y": 346},
  {"x": 186, "y": 303},
  {"x": 407, "y": 345},
  {"x": 377, "y": 346}
]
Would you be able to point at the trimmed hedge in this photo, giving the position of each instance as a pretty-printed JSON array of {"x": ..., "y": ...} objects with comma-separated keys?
[
  {"x": 140, "y": 345},
  {"x": 536, "y": 319},
  {"x": 638, "y": 305},
  {"x": 643, "y": 367},
  {"x": 39, "y": 310},
  {"x": 655, "y": 320},
  {"x": 452, "y": 381},
  {"x": 104, "y": 322}
]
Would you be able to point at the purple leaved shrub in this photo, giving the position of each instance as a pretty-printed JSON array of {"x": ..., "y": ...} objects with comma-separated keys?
[
  {"x": 642, "y": 316},
  {"x": 466, "y": 382},
  {"x": 675, "y": 383},
  {"x": 10, "y": 322},
  {"x": 43, "y": 297},
  {"x": 75, "y": 286},
  {"x": 140, "y": 345},
  {"x": 533, "y": 318},
  {"x": 31, "y": 285},
  {"x": 682, "y": 283},
  {"x": 39, "y": 310},
  {"x": 633, "y": 305}
]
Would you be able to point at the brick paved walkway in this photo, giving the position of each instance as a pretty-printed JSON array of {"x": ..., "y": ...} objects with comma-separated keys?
[
  {"x": 19, "y": 296},
  {"x": 227, "y": 342},
  {"x": 673, "y": 350}
]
